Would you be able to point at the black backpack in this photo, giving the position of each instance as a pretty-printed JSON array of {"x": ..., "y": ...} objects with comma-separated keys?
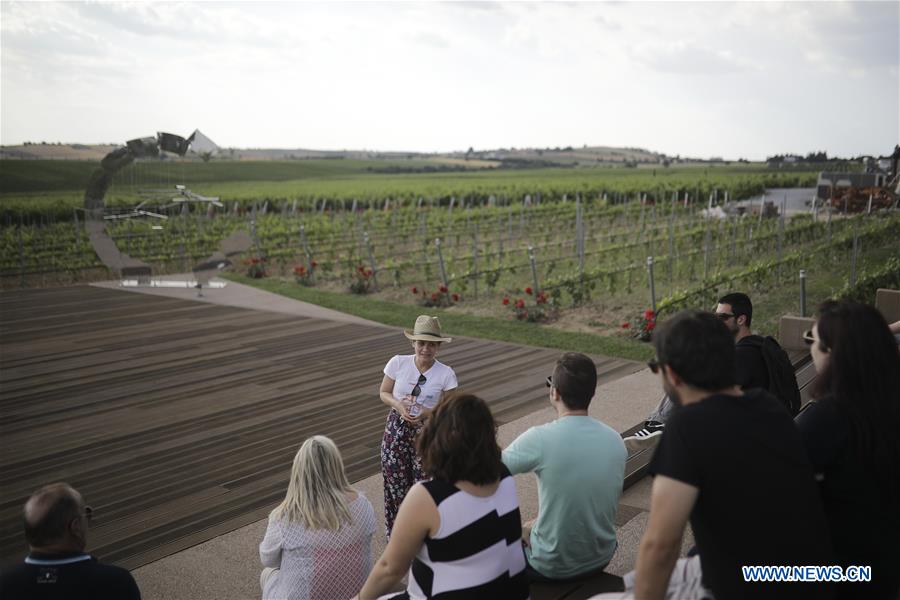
[{"x": 782, "y": 381}]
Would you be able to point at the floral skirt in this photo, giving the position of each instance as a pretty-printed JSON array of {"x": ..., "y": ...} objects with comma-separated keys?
[{"x": 401, "y": 466}]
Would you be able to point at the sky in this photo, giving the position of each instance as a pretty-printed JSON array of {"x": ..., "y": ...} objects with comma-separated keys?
[{"x": 730, "y": 79}]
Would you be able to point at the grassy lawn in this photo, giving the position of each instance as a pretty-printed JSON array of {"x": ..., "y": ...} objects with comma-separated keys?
[{"x": 455, "y": 323}]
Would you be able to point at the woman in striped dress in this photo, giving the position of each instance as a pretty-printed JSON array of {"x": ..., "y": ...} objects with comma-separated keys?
[{"x": 459, "y": 535}]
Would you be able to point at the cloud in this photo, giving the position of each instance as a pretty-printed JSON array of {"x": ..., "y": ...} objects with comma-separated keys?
[
  {"x": 688, "y": 58},
  {"x": 435, "y": 40}
]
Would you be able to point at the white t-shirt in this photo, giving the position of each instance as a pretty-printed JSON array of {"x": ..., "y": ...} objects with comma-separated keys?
[{"x": 439, "y": 378}]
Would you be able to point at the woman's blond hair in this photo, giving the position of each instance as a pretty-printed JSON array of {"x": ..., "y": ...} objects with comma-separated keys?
[{"x": 316, "y": 492}]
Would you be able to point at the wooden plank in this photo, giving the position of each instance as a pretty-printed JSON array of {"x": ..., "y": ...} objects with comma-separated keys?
[{"x": 179, "y": 420}]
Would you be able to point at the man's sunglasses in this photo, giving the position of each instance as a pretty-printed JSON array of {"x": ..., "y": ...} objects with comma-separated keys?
[
  {"x": 725, "y": 316},
  {"x": 418, "y": 389},
  {"x": 808, "y": 337}
]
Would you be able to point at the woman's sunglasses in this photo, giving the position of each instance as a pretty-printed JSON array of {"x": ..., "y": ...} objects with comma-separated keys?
[
  {"x": 808, "y": 337},
  {"x": 418, "y": 389}
]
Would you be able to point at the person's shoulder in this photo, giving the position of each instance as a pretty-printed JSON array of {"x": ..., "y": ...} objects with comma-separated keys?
[
  {"x": 443, "y": 368},
  {"x": 117, "y": 581}
]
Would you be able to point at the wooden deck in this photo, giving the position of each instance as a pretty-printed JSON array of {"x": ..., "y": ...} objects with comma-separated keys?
[{"x": 178, "y": 420}]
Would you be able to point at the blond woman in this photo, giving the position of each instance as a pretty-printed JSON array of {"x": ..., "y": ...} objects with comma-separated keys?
[{"x": 318, "y": 543}]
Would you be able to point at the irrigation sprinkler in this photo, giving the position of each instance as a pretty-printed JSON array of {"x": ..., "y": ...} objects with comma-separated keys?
[
  {"x": 534, "y": 274},
  {"x": 652, "y": 285},
  {"x": 803, "y": 292},
  {"x": 437, "y": 245}
]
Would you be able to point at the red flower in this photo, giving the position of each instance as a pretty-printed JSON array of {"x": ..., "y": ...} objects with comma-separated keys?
[
  {"x": 648, "y": 315},
  {"x": 313, "y": 265},
  {"x": 626, "y": 325},
  {"x": 456, "y": 297},
  {"x": 300, "y": 270},
  {"x": 434, "y": 297},
  {"x": 369, "y": 273},
  {"x": 528, "y": 290},
  {"x": 443, "y": 289},
  {"x": 415, "y": 290},
  {"x": 506, "y": 302},
  {"x": 524, "y": 314},
  {"x": 254, "y": 261},
  {"x": 651, "y": 325},
  {"x": 520, "y": 303}
]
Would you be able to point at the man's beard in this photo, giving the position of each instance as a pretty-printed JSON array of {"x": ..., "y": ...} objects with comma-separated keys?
[{"x": 671, "y": 391}]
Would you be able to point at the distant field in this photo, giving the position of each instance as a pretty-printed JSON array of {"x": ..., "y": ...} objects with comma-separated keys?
[{"x": 45, "y": 189}]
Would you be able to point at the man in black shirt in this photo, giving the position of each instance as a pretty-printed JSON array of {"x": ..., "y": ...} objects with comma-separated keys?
[
  {"x": 56, "y": 524},
  {"x": 736, "y": 311},
  {"x": 733, "y": 463}
]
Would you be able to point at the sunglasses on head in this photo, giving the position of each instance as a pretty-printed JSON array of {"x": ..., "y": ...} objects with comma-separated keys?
[
  {"x": 418, "y": 389},
  {"x": 549, "y": 381},
  {"x": 808, "y": 337},
  {"x": 654, "y": 366}
]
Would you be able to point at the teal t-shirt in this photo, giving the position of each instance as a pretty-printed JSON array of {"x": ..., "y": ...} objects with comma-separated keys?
[{"x": 580, "y": 465}]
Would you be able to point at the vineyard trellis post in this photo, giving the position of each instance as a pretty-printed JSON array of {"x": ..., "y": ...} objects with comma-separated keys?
[
  {"x": 828, "y": 224},
  {"x": 781, "y": 219},
  {"x": 534, "y": 275},
  {"x": 869, "y": 205},
  {"x": 437, "y": 245},
  {"x": 475, "y": 263},
  {"x": 803, "y": 293},
  {"x": 309, "y": 259},
  {"x": 372, "y": 263},
  {"x": 21, "y": 252},
  {"x": 706, "y": 244},
  {"x": 652, "y": 284},
  {"x": 855, "y": 255}
]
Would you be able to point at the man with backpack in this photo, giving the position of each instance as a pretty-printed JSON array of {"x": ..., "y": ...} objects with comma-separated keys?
[{"x": 760, "y": 362}]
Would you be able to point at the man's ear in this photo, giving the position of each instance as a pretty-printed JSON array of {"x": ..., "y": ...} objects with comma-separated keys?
[{"x": 741, "y": 320}]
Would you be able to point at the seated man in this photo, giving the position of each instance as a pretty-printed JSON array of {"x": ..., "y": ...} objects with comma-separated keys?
[
  {"x": 580, "y": 465},
  {"x": 56, "y": 525},
  {"x": 733, "y": 463},
  {"x": 736, "y": 311}
]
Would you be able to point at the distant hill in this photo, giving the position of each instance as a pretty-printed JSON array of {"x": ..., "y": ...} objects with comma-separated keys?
[{"x": 528, "y": 157}]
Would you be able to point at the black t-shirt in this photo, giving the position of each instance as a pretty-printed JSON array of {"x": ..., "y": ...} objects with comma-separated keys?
[
  {"x": 55, "y": 578},
  {"x": 758, "y": 503},
  {"x": 749, "y": 364},
  {"x": 864, "y": 522}
]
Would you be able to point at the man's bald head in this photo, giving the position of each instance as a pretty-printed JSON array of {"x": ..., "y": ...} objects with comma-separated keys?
[{"x": 48, "y": 513}]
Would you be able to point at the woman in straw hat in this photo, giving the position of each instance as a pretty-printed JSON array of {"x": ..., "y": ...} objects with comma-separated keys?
[
  {"x": 412, "y": 385},
  {"x": 321, "y": 517}
]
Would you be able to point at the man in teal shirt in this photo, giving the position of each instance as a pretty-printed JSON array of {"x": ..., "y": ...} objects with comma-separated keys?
[{"x": 580, "y": 466}]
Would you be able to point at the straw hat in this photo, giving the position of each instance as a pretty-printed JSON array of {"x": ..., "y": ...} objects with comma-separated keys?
[{"x": 427, "y": 329}]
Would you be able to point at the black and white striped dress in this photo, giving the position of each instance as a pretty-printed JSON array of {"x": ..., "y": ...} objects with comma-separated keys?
[{"x": 477, "y": 552}]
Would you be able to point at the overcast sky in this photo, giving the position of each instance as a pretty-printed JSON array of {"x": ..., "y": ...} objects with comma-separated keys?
[{"x": 733, "y": 79}]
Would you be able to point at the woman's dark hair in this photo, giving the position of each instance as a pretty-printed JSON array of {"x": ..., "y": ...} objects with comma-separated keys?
[
  {"x": 862, "y": 375},
  {"x": 698, "y": 346},
  {"x": 459, "y": 441}
]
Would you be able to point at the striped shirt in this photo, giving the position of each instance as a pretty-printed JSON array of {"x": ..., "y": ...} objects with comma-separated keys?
[{"x": 477, "y": 551}]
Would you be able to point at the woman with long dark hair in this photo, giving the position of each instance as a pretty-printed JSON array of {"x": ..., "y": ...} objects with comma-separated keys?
[
  {"x": 850, "y": 433},
  {"x": 459, "y": 534}
]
